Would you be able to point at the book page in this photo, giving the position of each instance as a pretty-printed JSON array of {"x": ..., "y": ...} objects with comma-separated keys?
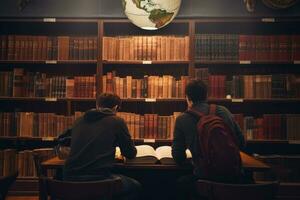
[
  {"x": 164, "y": 152},
  {"x": 188, "y": 153},
  {"x": 118, "y": 154},
  {"x": 145, "y": 150}
]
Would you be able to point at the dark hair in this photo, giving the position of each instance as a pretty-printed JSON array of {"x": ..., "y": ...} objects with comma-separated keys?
[
  {"x": 108, "y": 100},
  {"x": 196, "y": 91}
]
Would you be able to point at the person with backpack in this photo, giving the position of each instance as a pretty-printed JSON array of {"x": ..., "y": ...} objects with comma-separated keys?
[
  {"x": 94, "y": 138},
  {"x": 212, "y": 136}
]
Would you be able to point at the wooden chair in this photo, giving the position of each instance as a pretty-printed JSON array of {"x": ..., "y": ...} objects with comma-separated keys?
[
  {"x": 221, "y": 191},
  {"x": 91, "y": 190},
  {"x": 40, "y": 155},
  {"x": 5, "y": 183}
]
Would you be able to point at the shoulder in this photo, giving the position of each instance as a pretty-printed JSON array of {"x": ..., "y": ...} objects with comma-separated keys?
[
  {"x": 183, "y": 117},
  {"x": 222, "y": 110}
]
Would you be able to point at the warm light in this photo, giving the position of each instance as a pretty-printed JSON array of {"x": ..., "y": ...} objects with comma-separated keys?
[
  {"x": 151, "y": 14},
  {"x": 149, "y": 28}
]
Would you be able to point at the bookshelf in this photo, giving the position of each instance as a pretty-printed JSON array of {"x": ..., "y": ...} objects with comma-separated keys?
[{"x": 135, "y": 54}]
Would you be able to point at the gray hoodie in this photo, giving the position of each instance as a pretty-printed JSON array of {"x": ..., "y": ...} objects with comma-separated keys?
[{"x": 94, "y": 138}]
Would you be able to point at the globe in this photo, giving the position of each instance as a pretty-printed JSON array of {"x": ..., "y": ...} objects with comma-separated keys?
[{"x": 151, "y": 14}]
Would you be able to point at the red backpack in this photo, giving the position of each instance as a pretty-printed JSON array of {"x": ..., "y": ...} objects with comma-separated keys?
[{"x": 220, "y": 156}]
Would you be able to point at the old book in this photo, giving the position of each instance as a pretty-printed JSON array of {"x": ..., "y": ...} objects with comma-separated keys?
[
  {"x": 146, "y": 154},
  {"x": 18, "y": 74}
]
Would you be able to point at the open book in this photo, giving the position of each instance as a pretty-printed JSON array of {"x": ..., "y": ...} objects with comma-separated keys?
[{"x": 146, "y": 154}]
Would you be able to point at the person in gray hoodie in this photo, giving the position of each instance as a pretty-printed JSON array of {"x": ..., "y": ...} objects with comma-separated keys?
[{"x": 94, "y": 137}]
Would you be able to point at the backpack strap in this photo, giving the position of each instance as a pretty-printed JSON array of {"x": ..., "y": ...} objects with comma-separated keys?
[{"x": 212, "y": 109}]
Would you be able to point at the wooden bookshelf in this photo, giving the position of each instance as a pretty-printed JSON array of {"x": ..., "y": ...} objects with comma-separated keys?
[
  {"x": 145, "y": 62},
  {"x": 52, "y": 62},
  {"x": 190, "y": 27},
  {"x": 246, "y": 62},
  {"x": 46, "y": 99}
]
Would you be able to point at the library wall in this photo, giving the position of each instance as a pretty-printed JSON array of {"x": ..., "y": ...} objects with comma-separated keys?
[{"x": 113, "y": 9}]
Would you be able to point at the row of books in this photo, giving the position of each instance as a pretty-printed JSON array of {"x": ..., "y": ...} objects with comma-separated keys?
[
  {"x": 18, "y": 83},
  {"x": 29, "y": 47},
  {"x": 146, "y": 48},
  {"x": 282, "y": 48},
  {"x": 11, "y": 161},
  {"x": 149, "y": 126},
  {"x": 251, "y": 86},
  {"x": 270, "y": 126},
  {"x": 216, "y": 47},
  {"x": 29, "y": 124},
  {"x": 165, "y": 86},
  {"x": 285, "y": 168}
]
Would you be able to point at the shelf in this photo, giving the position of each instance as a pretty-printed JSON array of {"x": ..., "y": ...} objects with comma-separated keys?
[
  {"x": 74, "y": 20},
  {"x": 53, "y": 62},
  {"x": 152, "y": 100},
  {"x": 46, "y": 99},
  {"x": 267, "y": 141},
  {"x": 149, "y": 100},
  {"x": 28, "y": 138},
  {"x": 245, "y": 62},
  {"x": 267, "y": 100},
  {"x": 152, "y": 141},
  {"x": 296, "y": 142},
  {"x": 145, "y": 62},
  {"x": 215, "y": 100},
  {"x": 241, "y": 19}
]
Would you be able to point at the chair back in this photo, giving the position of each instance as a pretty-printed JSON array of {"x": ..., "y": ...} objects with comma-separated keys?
[
  {"x": 5, "y": 183},
  {"x": 92, "y": 190},
  {"x": 223, "y": 191},
  {"x": 40, "y": 155}
]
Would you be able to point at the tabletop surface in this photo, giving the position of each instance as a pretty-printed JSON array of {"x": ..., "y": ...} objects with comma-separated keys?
[{"x": 248, "y": 162}]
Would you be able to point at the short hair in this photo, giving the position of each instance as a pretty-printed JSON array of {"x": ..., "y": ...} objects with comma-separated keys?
[
  {"x": 108, "y": 100},
  {"x": 196, "y": 91}
]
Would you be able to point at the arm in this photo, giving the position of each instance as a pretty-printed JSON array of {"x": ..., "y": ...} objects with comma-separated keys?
[
  {"x": 178, "y": 146},
  {"x": 124, "y": 141},
  {"x": 65, "y": 138}
]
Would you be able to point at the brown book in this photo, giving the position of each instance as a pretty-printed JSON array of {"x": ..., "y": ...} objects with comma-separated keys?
[
  {"x": 21, "y": 163},
  {"x": 18, "y": 74},
  {"x": 90, "y": 49},
  {"x": 147, "y": 126},
  {"x": 85, "y": 48},
  {"x": 95, "y": 48},
  {"x": 187, "y": 48},
  {"x": 142, "y": 127},
  {"x": 155, "y": 126},
  {"x": 138, "y": 88},
  {"x": 129, "y": 86},
  {"x": 105, "y": 48},
  {"x": 149, "y": 48},
  {"x": 63, "y": 47},
  {"x": 69, "y": 87},
  {"x": 11, "y": 47},
  {"x": 80, "y": 48},
  {"x": 44, "y": 41},
  {"x": 137, "y": 119}
]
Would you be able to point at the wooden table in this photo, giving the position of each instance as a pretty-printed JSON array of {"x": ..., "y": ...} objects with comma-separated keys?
[
  {"x": 157, "y": 177},
  {"x": 248, "y": 162}
]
